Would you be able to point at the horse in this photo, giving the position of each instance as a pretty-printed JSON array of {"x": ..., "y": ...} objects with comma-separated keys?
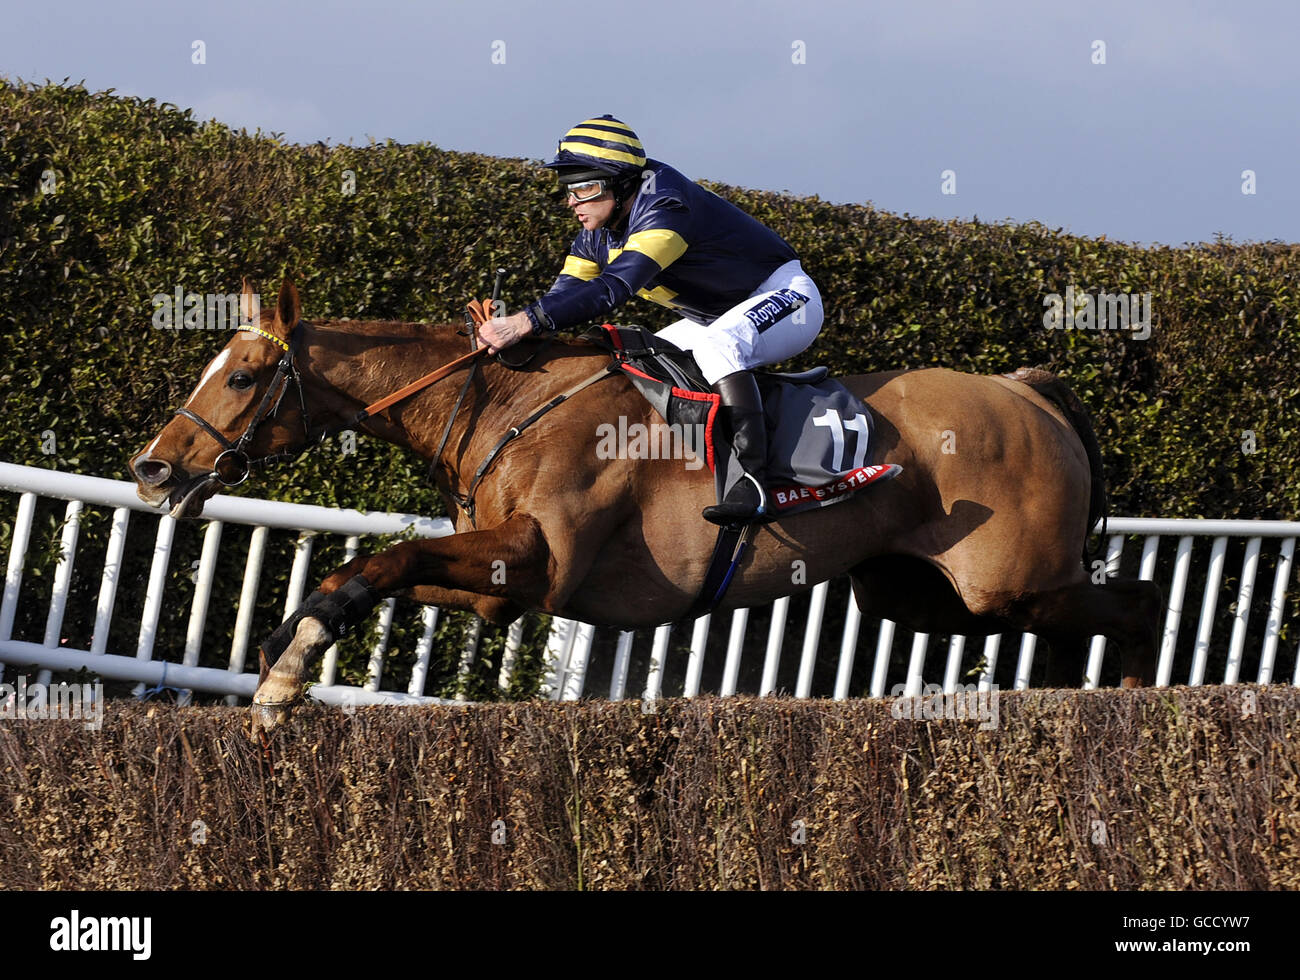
[{"x": 984, "y": 531}]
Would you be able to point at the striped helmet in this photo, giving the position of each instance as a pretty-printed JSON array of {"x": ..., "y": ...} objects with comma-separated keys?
[{"x": 599, "y": 147}]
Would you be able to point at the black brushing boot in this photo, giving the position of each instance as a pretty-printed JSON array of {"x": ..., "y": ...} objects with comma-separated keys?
[{"x": 742, "y": 405}]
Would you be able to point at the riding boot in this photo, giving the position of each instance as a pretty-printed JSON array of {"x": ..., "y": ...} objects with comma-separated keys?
[{"x": 742, "y": 406}]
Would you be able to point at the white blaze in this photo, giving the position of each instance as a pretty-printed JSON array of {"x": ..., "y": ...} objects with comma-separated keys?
[{"x": 217, "y": 363}]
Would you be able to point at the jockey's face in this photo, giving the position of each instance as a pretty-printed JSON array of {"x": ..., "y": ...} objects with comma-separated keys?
[{"x": 595, "y": 213}]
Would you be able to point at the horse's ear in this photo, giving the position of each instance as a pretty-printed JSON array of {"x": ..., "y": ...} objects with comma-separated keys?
[
  {"x": 288, "y": 309},
  {"x": 250, "y": 304}
]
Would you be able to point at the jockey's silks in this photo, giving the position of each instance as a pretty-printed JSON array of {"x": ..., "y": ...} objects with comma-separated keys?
[{"x": 682, "y": 247}]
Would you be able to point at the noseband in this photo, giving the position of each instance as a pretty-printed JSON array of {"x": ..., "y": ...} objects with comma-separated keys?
[{"x": 234, "y": 453}]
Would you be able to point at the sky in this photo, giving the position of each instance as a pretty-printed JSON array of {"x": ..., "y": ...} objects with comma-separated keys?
[{"x": 1132, "y": 119}]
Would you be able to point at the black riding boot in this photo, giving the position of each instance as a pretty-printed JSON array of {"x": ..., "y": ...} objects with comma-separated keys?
[{"x": 742, "y": 406}]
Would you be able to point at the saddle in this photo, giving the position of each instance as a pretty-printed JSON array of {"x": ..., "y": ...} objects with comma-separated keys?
[{"x": 819, "y": 433}]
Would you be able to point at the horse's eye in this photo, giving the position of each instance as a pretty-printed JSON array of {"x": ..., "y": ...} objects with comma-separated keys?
[{"x": 240, "y": 381}]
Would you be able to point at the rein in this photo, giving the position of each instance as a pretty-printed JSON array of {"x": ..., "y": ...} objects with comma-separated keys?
[
  {"x": 415, "y": 386},
  {"x": 286, "y": 373}
]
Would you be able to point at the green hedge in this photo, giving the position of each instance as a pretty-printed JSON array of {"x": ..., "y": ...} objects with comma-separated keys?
[{"x": 146, "y": 199}]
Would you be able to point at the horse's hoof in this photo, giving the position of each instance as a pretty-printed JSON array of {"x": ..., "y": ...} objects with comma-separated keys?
[{"x": 268, "y": 717}]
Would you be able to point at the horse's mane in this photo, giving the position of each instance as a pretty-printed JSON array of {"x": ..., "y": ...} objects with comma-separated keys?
[
  {"x": 403, "y": 329},
  {"x": 396, "y": 329},
  {"x": 530, "y": 351}
]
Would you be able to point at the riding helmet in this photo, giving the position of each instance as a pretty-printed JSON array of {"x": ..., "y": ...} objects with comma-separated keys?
[{"x": 603, "y": 147}]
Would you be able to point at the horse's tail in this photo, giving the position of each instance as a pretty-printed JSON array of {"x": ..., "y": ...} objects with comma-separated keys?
[{"x": 1059, "y": 394}]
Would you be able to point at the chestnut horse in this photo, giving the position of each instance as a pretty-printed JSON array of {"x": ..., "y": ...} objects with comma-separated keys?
[{"x": 982, "y": 532}]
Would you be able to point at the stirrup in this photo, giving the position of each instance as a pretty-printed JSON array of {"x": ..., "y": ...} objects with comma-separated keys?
[{"x": 741, "y": 512}]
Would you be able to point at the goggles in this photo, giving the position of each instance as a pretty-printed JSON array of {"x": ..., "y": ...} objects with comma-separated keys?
[{"x": 585, "y": 190}]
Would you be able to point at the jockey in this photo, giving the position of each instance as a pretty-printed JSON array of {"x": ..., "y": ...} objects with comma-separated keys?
[{"x": 648, "y": 230}]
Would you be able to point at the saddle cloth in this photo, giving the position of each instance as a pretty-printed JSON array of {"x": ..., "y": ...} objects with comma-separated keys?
[{"x": 819, "y": 433}]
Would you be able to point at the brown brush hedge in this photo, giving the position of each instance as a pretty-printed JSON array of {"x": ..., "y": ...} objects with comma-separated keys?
[{"x": 1187, "y": 788}]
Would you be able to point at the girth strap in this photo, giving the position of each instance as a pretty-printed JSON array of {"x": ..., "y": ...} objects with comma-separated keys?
[{"x": 732, "y": 542}]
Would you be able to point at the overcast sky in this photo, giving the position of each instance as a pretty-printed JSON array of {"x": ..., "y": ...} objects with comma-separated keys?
[{"x": 853, "y": 101}]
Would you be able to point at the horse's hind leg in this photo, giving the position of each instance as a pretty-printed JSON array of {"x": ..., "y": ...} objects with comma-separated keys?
[
  {"x": 1138, "y": 656},
  {"x": 1127, "y": 612},
  {"x": 915, "y": 594},
  {"x": 1065, "y": 658}
]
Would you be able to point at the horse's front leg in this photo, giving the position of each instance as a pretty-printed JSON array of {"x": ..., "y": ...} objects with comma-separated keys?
[
  {"x": 281, "y": 687},
  {"x": 495, "y": 571}
]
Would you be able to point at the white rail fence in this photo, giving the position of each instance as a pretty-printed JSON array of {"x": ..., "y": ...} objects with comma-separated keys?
[{"x": 573, "y": 649}]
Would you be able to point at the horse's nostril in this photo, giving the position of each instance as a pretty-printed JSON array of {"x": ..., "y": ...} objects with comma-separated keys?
[{"x": 151, "y": 472}]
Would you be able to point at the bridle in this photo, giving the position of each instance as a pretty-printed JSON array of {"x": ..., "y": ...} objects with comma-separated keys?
[{"x": 286, "y": 375}]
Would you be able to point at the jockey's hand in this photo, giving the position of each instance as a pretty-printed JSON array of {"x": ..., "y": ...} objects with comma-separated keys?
[{"x": 502, "y": 331}]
